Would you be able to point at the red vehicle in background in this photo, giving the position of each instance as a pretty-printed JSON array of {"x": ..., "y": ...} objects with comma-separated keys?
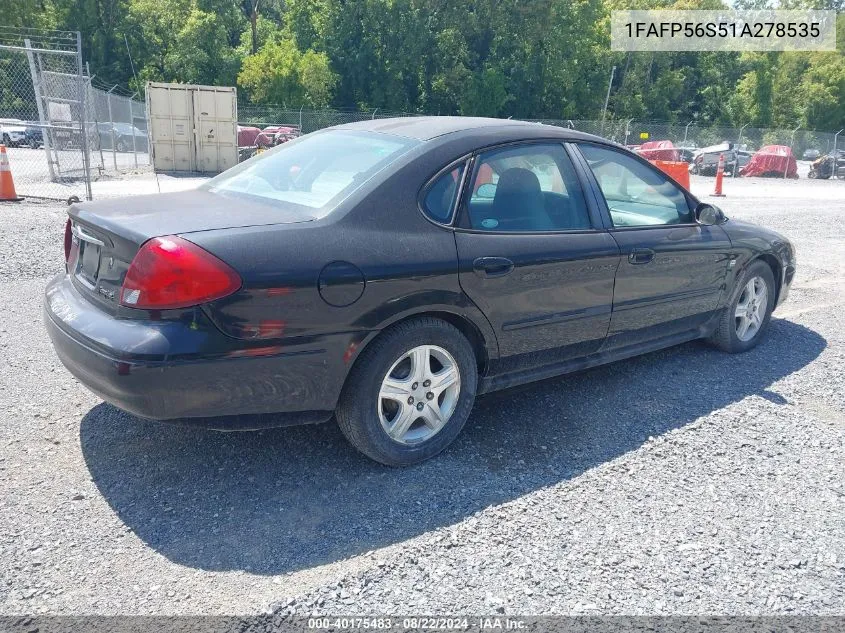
[
  {"x": 773, "y": 161},
  {"x": 247, "y": 135},
  {"x": 273, "y": 135},
  {"x": 659, "y": 150}
]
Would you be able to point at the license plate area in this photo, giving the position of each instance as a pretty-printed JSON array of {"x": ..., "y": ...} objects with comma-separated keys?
[{"x": 89, "y": 262}]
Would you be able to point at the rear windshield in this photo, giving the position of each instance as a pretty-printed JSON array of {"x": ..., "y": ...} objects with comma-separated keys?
[{"x": 315, "y": 171}]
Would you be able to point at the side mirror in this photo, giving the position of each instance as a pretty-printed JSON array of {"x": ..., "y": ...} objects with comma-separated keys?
[{"x": 708, "y": 215}]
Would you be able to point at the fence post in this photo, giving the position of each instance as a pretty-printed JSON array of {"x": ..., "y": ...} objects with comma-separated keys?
[
  {"x": 102, "y": 164},
  {"x": 739, "y": 140},
  {"x": 132, "y": 125},
  {"x": 86, "y": 160},
  {"x": 791, "y": 143},
  {"x": 686, "y": 129},
  {"x": 36, "y": 85},
  {"x": 111, "y": 128}
]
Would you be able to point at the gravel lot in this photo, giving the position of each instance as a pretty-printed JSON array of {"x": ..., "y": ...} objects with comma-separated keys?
[{"x": 683, "y": 482}]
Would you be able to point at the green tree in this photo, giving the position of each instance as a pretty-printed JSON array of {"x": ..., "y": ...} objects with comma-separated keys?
[{"x": 281, "y": 73}]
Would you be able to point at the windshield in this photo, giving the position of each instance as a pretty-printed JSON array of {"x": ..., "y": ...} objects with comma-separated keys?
[{"x": 316, "y": 171}]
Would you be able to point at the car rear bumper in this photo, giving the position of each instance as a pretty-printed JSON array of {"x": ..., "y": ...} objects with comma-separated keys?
[{"x": 126, "y": 362}]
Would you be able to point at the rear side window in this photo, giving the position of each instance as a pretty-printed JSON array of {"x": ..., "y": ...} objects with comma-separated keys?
[
  {"x": 314, "y": 172},
  {"x": 527, "y": 188},
  {"x": 442, "y": 195}
]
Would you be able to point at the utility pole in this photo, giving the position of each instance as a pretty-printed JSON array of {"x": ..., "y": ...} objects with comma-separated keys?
[
  {"x": 791, "y": 143},
  {"x": 607, "y": 98}
]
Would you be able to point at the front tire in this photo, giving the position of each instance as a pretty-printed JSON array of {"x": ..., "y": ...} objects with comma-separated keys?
[
  {"x": 743, "y": 323},
  {"x": 410, "y": 392}
]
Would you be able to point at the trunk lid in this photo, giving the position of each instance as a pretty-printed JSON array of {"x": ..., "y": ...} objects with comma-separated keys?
[{"x": 107, "y": 234}]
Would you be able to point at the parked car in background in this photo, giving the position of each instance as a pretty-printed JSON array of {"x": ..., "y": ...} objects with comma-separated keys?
[
  {"x": 119, "y": 136},
  {"x": 772, "y": 161},
  {"x": 659, "y": 150},
  {"x": 811, "y": 154},
  {"x": 13, "y": 132},
  {"x": 273, "y": 135},
  {"x": 361, "y": 273},
  {"x": 247, "y": 135},
  {"x": 743, "y": 157},
  {"x": 706, "y": 160},
  {"x": 828, "y": 165},
  {"x": 687, "y": 154},
  {"x": 34, "y": 137}
]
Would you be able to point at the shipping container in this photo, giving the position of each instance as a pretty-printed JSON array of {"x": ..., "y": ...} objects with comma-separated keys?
[{"x": 192, "y": 128}]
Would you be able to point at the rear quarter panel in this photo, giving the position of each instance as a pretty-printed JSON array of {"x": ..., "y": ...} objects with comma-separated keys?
[{"x": 408, "y": 265}]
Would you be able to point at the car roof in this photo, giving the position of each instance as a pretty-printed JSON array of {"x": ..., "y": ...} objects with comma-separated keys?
[{"x": 426, "y": 128}]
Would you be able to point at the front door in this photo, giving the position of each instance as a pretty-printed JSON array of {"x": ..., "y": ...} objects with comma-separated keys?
[
  {"x": 531, "y": 258},
  {"x": 673, "y": 270}
]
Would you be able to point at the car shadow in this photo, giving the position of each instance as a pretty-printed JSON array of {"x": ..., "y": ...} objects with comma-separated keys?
[{"x": 280, "y": 500}]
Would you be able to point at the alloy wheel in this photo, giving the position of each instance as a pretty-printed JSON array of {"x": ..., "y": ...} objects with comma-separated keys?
[
  {"x": 419, "y": 394},
  {"x": 751, "y": 309}
]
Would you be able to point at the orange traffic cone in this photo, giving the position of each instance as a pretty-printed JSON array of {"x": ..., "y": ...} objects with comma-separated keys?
[
  {"x": 7, "y": 185},
  {"x": 720, "y": 174}
]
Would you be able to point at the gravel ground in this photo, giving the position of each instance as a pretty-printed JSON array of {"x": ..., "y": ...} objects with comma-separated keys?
[{"x": 683, "y": 482}]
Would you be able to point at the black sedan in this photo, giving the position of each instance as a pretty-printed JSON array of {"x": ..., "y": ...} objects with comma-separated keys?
[{"x": 387, "y": 272}]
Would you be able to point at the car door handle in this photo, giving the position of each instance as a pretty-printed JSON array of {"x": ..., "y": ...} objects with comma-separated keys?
[
  {"x": 641, "y": 256},
  {"x": 492, "y": 266}
]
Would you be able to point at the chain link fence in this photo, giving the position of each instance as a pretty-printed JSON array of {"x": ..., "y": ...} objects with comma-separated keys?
[
  {"x": 62, "y": 132},
  {"x": 306, "y": 120},
  {"x": 118, "y": 138},
  {"x": 624, "y": 131},
  {"x": 42, "y": 112},
  {"x": 692, "y": 136}
]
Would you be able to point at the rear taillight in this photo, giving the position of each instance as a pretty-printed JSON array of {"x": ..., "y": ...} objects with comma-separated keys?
[{"x": 169, "y": 272}]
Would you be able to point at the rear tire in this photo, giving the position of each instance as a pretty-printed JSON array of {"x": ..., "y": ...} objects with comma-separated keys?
[
  {"x": 743, "y": 322},
  {"x": 394, "y": 407}
]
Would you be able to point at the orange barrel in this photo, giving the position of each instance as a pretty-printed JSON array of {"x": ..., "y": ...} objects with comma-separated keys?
[{"x": 678, "y": 170}]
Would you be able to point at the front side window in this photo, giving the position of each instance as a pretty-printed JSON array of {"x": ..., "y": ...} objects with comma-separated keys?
[
  {"x": 636, "y": 195},
  {"x": 314, "y": 172},
  {"x": 526, "y": 188}
]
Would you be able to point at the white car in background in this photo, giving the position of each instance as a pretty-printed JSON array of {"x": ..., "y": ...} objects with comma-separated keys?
[{"x": 13, "y": 132}]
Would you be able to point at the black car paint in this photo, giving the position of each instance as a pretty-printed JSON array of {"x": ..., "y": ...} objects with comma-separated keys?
[{"x": 316, "y": 293}]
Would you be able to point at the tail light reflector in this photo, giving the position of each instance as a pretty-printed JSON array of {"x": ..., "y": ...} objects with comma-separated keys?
[
  {"x": 71, "y": 246},
  {"x": 170, "y": 272},
  {"x": 68, "y": 239}
]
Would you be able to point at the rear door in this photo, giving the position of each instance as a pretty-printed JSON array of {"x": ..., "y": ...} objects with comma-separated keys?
[
  {"x": 533, "y": 256},
  {"x": 673, "y": 270}
]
